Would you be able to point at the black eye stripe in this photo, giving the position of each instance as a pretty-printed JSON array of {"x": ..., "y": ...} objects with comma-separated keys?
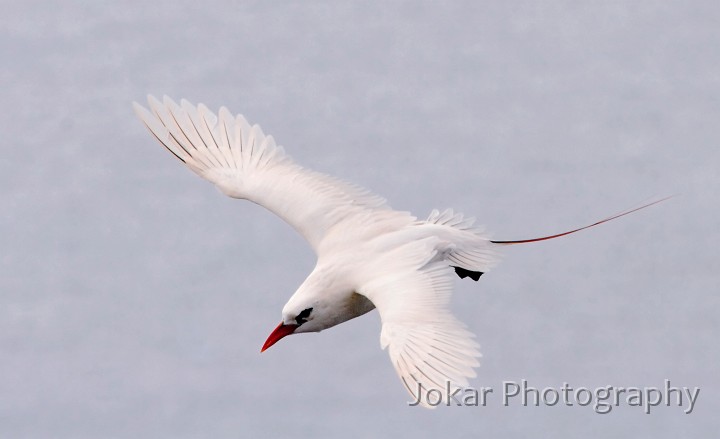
[{"x": 302, "y": 317}]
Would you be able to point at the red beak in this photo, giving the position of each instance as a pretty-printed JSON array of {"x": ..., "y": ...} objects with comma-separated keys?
[{"x": 281, "y": 331}]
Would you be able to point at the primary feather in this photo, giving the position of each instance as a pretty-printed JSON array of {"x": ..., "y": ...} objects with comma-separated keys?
[{"x": 245, "y": 163}]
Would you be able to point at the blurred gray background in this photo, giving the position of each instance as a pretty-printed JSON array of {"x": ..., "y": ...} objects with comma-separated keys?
[{"x": 134, "y": 297}]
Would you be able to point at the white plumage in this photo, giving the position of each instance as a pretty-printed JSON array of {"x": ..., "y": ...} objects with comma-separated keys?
[{"x": 368, "y": 255}]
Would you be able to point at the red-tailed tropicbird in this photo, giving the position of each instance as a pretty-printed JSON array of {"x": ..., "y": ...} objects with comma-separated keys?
[{"x": 368, "y": 255}]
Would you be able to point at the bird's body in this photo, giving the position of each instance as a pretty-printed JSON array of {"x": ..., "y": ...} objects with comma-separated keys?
[{"x": 368, "y": 255}]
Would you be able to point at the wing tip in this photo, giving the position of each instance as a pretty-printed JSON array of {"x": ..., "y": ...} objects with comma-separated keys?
[{"x": 140, "y": 111}]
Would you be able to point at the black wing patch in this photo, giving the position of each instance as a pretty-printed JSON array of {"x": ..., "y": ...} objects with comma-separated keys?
[{"x": 463, "y": 273}]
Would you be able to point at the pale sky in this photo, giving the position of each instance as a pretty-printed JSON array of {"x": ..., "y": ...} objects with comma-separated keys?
[{"x": 134, "y": 297}]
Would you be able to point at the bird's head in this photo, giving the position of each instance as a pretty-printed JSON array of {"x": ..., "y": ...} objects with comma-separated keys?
[
  {"x": 308, "y": 317},
  {"x": 319, "y": 303}
]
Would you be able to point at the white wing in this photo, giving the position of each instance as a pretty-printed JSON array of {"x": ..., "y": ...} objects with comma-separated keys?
[
  {"x": 245, "y": 163},
  {"x": 431, "y": 350}
]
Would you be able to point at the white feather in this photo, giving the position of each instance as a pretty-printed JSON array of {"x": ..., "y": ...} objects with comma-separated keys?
[
  {"x": 255, "y": 169},
  {"x": 430, "y": 349}
]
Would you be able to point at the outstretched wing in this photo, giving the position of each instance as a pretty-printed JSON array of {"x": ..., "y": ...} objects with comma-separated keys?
[
  {"x": 245, "y": 163},
  {"x": 432, "y": 351}
]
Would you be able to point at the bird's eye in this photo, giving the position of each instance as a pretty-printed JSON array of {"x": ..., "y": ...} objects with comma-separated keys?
[{"x": 302, "y": 317}]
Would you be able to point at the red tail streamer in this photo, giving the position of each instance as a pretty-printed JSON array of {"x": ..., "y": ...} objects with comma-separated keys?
[{"x": 626, "y": 212}]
